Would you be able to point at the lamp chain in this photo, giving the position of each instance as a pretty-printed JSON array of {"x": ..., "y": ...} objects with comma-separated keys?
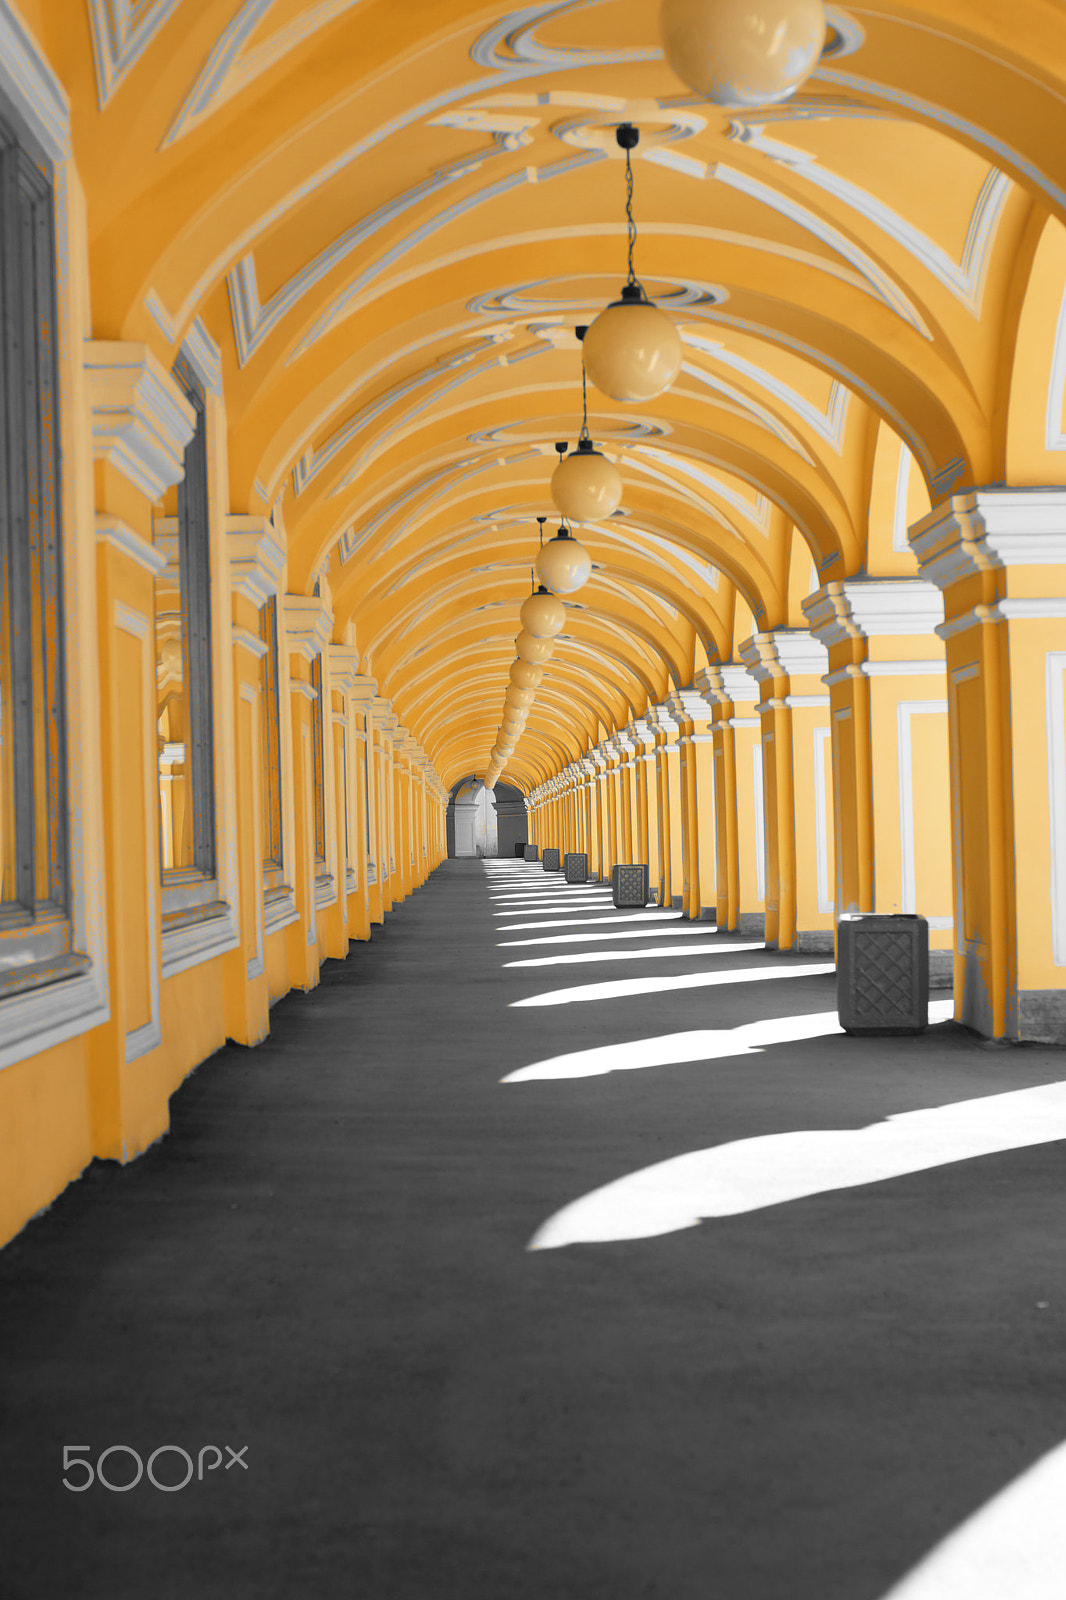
[
  {"x": 629, "y": 219},
  {"x": 584, "y": 435}
]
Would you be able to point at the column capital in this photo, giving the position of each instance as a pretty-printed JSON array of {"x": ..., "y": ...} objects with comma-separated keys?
[
  {"x": 728, "y": 684},
  {"x": 987, "y": 529},
  {"x": 256, "y": 559},
  {"x": 343, "y": 666},
  {"x": 868, "y": 608},
  {"x": 690, "y": 704},
  {"x": 784, "y": 651},
  {"x": 307, "y": 624},
  {"x": 662, "y": 719},
  {"x": 140, "y": 418},
  {"x": 364, "y": 690}
]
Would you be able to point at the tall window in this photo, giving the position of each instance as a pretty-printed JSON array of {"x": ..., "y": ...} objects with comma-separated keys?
[
  {"x": 273, "y": 861},
  {"x": 183, "y": 668},
  {"x": 317, "y": 718},
  {"x": 34, "y": 895}
]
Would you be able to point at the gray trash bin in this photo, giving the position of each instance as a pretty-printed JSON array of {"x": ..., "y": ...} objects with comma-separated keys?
[
  {"x": 550, "y": 860},
  {"x": 882, "y": 973},
  {"x": 629, "y": 884},
  {"x": 576, "y": 866},
  {"x": 529, "y": 852},
  {"x": 520, "y": 851}
]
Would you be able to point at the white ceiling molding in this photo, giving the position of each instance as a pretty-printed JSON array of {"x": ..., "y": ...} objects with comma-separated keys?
[
  {"x": 231, "y": 66},
  {"x": 829, "y": 426},
  {"x": 1004, "y": 154},
  {"x": 121, "y": 31},
  {"x": 253, "y": 322},
  {"x": 964, "y": 278},
  {"x": 881, "y": 285},
  {"x": 756, "y": 512}
]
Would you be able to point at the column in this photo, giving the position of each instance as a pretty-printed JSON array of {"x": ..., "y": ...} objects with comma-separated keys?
[
  {"x": 256, "y": 563},
  {"x": 999, "y": 558},
  {"x": 889, "y": 718},
  {"x": 693, "y": 715},
  {"x": 668, "y": 787},
  {"x": 646, "y": 784},
  {"x": 789, "y": 665},
  {"x": 304, "y": 626},
  {"x": 740, "y": 862}
]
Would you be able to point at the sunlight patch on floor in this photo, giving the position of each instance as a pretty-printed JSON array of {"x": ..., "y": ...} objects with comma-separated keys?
[
  {"x": 679, "y": 952},
  {"x": 1013, "y": 1548},
  {"x": 673, "y": 1049},
  {"x": 751, "y": 1174},
  {"x": 685, "y": 930},
  {"x": 624, "y": 988},
  {"x": 585, "y": 922}
]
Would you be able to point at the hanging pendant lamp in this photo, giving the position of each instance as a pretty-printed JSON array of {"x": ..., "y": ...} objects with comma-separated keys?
[
  {"x": 743, "y": 52},
  {"x": 563, "y": 564},
  {"x": 543, "y": 615},
  {"x": 632, "y": 351},
  {"x": 519, "y": 697},
  {"x": 525, "y": 675},
  {"x": 586, "y": 487},
  {"x": 534, "y": 649}
]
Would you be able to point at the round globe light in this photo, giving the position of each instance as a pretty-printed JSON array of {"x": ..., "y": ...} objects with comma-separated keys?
[
  {"x": 742, "y": 52},
  {"x": 543, "y": 615},
  {"x": 499, "y": 756},
  {"x": 533, "y": 649},
  {"x": 525, "y": 675},
  {"x": 563, "y": 564},
  {"x": 632, "y": 350},
  {"x": 513, "y": 721},
  {"x": 519, "y": 697},
  {"x": 586, "y": 487}
]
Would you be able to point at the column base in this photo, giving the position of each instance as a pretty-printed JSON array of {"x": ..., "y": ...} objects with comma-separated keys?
[
  {"x": 941, "y": 969},
  {"x": 1041, "y": 1016},
  {"x": 818, "y": 941},
  {"x": 751, "y": 923}
]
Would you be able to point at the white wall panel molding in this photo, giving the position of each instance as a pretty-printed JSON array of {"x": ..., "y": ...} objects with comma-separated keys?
[
  {"x": 906, "y": 710},
  {"x": 1055, "y": 713}
]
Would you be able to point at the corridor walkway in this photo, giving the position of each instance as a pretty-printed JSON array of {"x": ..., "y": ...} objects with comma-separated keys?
[{"x": 328, "y": 1262}]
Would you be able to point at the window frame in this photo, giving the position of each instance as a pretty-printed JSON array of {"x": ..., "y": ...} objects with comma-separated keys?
[{"x": 36, "y": 929}]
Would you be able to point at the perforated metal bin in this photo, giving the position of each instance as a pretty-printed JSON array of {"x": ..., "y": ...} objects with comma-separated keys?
[
  {"x": 520, "y": 851},
  {"x": 576, "y": 866},
  {"x": 550, "y": 860},
  {"x": 882, "y": 973},
  {"x": 629, "y": 884},
  {"x": 529, "y": 852}
]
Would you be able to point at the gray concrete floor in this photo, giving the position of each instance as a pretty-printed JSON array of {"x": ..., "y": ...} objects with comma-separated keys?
[{"x": 326, "y": 1261}]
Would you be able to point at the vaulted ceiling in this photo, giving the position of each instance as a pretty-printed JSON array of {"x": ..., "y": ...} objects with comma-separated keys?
[{"x": 390, "y": 216}]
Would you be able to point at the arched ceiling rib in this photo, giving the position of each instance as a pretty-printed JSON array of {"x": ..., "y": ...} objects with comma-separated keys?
[{"x": 389, "y": 219}]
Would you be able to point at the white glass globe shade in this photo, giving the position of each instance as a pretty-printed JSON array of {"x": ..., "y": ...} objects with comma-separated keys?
[
  {"x": 525, "y": 675},
  {"x": 535, "y": 651},
  {"x": 563, "y": 565},
  {"x": 499, "y": 756},
  {"x": 632, "y": 350},
  {"x": 519, "y": 697},
  {"x": 513, "y": 721},
  {"x": 742, "y": 52},
  {"x": 543, "y": 615},
  {"x": 586, "y": 486}
]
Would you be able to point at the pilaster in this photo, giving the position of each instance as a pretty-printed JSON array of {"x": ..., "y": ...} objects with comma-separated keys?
[{"x": 998, "y": 556}]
